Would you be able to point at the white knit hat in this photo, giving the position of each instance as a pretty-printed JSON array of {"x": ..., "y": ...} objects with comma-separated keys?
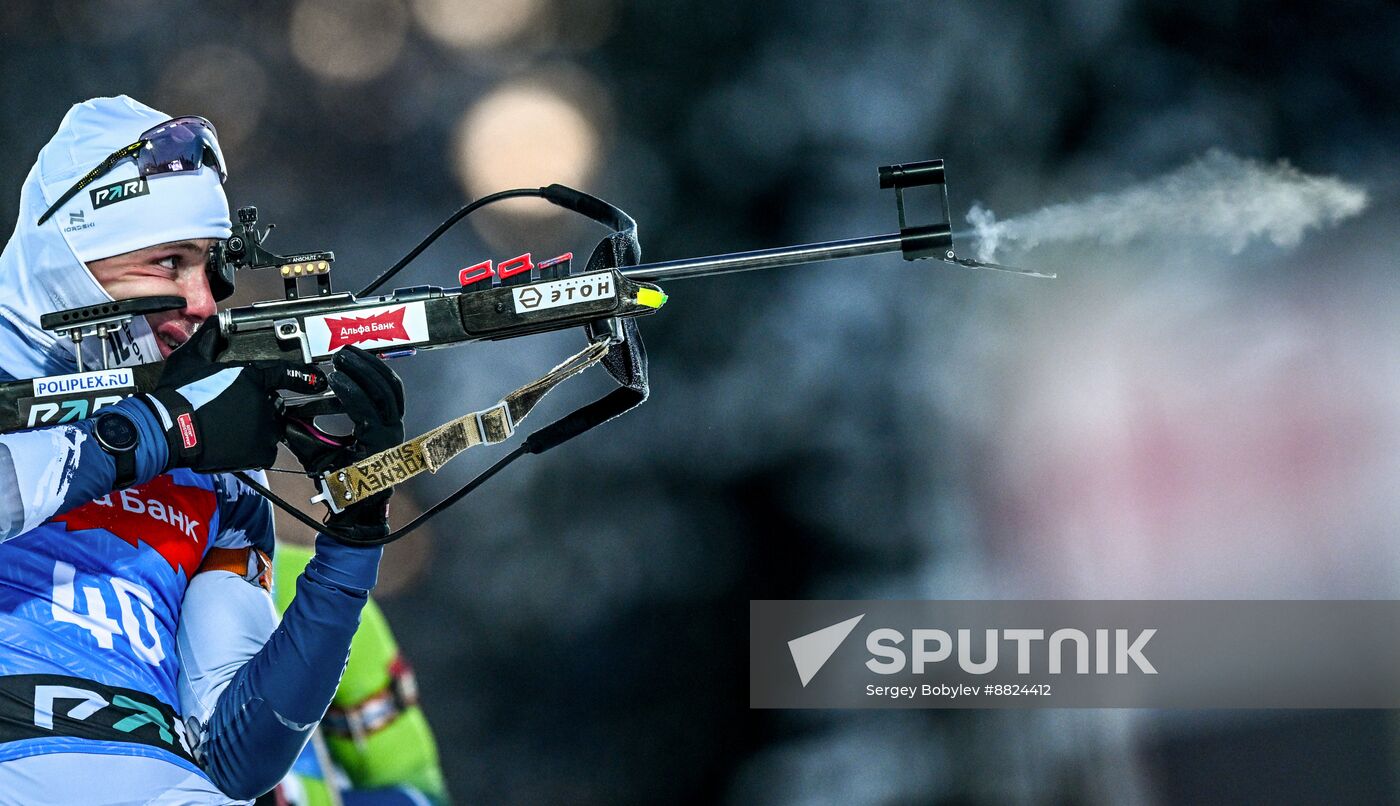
[{"x": 174, "y": 207}]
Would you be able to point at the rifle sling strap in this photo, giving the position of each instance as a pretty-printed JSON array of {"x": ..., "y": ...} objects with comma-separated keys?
[{"x": 430, "y": 451}]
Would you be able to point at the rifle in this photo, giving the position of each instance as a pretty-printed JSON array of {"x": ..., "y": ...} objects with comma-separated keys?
[{"x": 494, "y": 301}]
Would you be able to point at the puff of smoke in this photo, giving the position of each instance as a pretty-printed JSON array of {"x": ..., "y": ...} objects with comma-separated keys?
[{"x": 1219, "y": 198}]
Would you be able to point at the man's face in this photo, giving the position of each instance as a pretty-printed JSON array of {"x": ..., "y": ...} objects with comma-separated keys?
[{"x": 170, "y": 269}]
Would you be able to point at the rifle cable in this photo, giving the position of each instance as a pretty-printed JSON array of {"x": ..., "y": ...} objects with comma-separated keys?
[{"x": 388, "y": 274}]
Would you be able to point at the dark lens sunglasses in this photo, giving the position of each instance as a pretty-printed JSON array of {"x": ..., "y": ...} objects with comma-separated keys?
[{"x": 176, "y": 146}]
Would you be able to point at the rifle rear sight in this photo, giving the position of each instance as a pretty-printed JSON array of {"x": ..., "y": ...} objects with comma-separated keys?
[{"x": 244, "y": 250}]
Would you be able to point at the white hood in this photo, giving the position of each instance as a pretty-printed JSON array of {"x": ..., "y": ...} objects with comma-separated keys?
[{"x": 42, "y": 268}]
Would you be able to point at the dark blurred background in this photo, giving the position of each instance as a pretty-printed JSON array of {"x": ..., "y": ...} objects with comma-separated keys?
[{"x": 1163, "y": 421}]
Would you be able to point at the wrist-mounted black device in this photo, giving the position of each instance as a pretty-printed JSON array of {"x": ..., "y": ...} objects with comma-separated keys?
[{"x": 118, "y": 436}]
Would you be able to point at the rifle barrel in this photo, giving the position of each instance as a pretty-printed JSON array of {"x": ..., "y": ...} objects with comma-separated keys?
[{"x": 765, "y": 258}]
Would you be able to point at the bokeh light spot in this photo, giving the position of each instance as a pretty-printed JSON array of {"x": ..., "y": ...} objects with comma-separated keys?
[
  {"x": 525, "y": 135},
  {"x": 219, "y": 82},
  {"x": 348, "y": 40},
  {"x": 471, "y": 24}
]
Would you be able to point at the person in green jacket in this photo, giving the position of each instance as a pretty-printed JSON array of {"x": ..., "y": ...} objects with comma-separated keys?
[{"x": 374, "y": 746}]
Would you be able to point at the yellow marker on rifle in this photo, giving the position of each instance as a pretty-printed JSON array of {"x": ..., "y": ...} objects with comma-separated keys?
[{"x": 651, "y": 298}]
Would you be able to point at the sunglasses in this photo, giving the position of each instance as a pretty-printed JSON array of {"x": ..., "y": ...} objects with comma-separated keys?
[{"x": 178, "y": 145}]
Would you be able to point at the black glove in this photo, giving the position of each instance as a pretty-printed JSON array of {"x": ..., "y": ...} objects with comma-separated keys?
[
  {"x": 372, "y": 396},
  {"x": 224, "y": 415}
]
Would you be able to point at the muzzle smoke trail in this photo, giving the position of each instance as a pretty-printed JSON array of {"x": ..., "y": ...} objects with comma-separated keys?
[{"x": 1219, "y": 198}]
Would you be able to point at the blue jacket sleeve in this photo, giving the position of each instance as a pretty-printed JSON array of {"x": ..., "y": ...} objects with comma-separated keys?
[
  {"x": 47, "y": 471},
  {"x": 273, "y": 702}
]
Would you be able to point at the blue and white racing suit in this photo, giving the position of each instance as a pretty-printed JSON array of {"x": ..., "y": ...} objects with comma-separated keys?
[
  {"x": 126, "y": 675},
  {"x": 94, "y": 594}
]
